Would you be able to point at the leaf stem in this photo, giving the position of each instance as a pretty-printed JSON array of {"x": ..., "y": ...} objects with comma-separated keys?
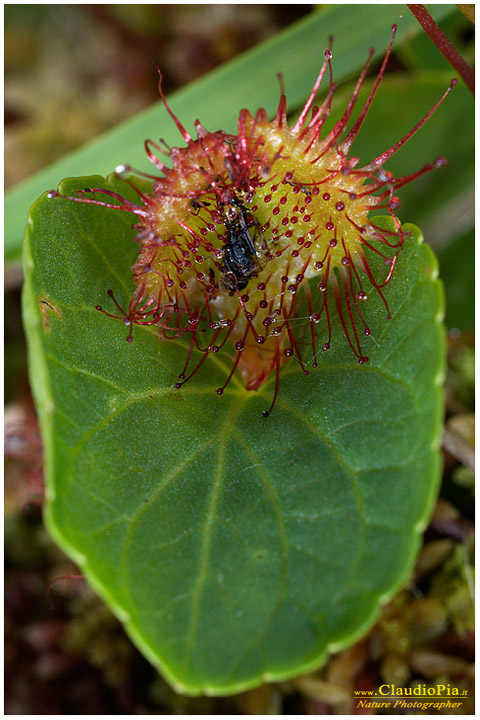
[{"x": 444, "y": 45}]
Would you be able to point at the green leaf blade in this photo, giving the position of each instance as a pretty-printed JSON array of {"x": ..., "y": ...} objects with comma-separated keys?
[
  {"x": 248, "y": 81},
  {"x": 235, "y": 548}
]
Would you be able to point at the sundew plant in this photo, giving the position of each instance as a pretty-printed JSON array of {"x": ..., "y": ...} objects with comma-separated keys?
[{"x": 237, "y": 359}]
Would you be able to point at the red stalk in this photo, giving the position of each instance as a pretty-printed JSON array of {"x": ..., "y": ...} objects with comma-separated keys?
[{"x": 444, "y": 45}]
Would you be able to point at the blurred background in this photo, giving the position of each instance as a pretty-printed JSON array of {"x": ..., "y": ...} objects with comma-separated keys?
[
  {"x": 60, "y": 92},
  {"x": 74, "y": 71}
]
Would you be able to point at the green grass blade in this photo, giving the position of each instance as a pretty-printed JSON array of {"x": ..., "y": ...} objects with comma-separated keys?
[{"x": 216, "y": 98}]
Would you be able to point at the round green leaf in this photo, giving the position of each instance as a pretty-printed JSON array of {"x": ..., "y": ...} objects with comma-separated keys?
[{"x": 234, "y": 548}]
